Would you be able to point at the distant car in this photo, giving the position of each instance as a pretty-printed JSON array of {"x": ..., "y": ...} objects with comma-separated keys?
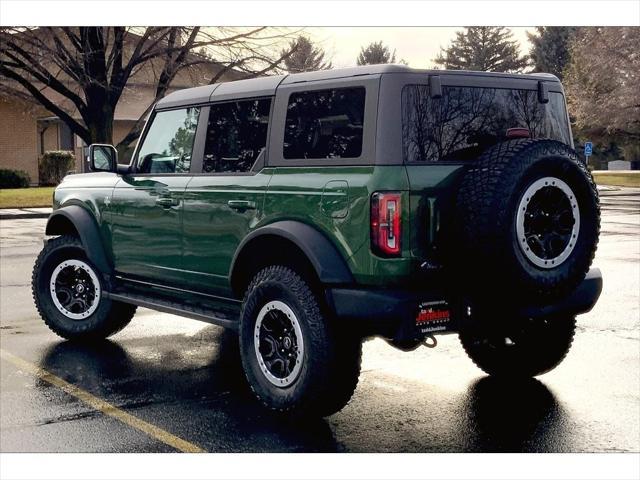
[{"x": 310, "y": 211}]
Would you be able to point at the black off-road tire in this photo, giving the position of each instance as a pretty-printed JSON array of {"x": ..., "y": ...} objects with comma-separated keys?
[
  {"x": 331, "y": 360},
  {"x": 109, "y": 317},
  {"x": 533, "y": 347},
  {"x": 487, "y": 205}
]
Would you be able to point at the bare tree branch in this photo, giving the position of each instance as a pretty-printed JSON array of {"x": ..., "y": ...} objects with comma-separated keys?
[
  {"x": 75, "y": 126},
  {"x": 92, "y": 66},
  {"x": 40, "y": 73}
]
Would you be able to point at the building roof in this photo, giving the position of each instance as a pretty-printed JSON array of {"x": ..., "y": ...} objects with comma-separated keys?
[{"x": 266, "y": 86}]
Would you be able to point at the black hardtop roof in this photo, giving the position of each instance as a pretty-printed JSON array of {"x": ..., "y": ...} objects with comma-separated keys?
[{"x": 266, "y": 86}]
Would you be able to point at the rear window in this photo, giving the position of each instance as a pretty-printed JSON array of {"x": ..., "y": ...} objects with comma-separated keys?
[
  {"x": 325, "y": 124},
  {"x": 467, "y": 120}
]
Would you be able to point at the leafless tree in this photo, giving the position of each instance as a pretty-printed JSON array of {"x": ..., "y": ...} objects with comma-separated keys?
[
  {"x": 80, "y": 73},
  {"x": 602, "y": 82}
]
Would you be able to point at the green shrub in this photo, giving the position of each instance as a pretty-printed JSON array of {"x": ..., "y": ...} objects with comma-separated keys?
[
  {"x": 54, "y": 165},
  {"x": 14, "y": 178}
]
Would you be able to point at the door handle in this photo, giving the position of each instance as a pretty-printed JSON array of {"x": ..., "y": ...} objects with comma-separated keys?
[
  {"x": 166, "y": 202},
  {"x": 241, "y": 205}
]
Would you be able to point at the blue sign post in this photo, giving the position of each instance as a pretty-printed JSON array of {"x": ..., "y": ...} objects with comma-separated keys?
[{"x": 588, "y": 149}]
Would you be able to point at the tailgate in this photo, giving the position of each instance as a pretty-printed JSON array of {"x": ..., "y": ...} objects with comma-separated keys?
[{"x": 431, "y": 202}]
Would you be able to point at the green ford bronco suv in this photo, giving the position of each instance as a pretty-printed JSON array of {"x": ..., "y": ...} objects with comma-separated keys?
[{"x": 313, "y": 210}]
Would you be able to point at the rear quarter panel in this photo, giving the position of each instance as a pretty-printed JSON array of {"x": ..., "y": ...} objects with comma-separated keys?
[{"x": 300, "y": 194}]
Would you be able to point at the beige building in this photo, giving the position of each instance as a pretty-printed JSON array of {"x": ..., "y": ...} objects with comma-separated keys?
[{"x": 27, "y": 130}]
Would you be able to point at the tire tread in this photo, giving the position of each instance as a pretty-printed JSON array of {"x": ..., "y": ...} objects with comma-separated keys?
[
  {"x": 118, "y": 317},
  {"x": 328, "y": 392},
  {"x": 483, "y": 209}
]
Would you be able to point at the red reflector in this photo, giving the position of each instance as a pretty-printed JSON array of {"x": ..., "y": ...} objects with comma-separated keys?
[{"x": 385, "y": 224}]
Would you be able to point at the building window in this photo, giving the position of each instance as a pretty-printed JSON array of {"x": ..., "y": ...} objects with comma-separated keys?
[{"x": 66, "y": 137}]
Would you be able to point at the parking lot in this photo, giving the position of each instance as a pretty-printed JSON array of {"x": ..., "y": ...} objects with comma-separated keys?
[{"x": 171, "y": 384}]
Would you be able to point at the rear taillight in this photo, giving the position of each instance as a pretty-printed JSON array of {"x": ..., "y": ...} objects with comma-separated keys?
[{"x": 385, "y": 224}]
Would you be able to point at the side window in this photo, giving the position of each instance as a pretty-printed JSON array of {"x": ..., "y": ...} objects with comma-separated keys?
[
  {"x": 236, "y": 135},
  {"x": 168, "y": 144},
  {"x": 468, "y": 120},
  {"x": 325, "y": 124}
]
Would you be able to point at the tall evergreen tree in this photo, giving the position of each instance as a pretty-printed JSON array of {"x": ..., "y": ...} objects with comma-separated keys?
[
  {"x": 376, "y": 53},
  {"x": 550, "y": 51},
  {"x": 488, "y": 49},
  {"x": 305, "y": 57}
]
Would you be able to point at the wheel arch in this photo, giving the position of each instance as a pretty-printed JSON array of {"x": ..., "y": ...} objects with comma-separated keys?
[
  {"x": 78, "y": 221},
  {"x": 291, "y": 243}
]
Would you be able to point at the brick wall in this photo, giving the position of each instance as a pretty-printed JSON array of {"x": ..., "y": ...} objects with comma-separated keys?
[
  {"x": 120, "y": 129},
  {"x": 18, "y": 138}
]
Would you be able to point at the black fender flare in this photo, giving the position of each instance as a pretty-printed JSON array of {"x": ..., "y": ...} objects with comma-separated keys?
[
  {"x": 328, "y": 263},
  {"x": 87, "y": 228}
]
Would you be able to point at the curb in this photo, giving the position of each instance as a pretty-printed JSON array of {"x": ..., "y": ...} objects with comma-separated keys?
[{"x": 18, "y": 216}]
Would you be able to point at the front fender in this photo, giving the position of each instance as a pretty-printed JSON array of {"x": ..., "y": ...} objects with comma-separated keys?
[{"x": 87, "y": 229}]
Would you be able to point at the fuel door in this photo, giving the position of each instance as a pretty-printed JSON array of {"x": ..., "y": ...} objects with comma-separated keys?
[{"x": 335, "y": 199}]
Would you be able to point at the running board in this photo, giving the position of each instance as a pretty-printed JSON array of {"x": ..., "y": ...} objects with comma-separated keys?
[{"x": 175, "y": 308}]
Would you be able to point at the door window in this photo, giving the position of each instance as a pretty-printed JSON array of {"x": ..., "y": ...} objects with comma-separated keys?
[
  {"x": 325, "y": 124},
  {"x": 467, "y": 120},
  {"x": 168, "y": 145},
  {"x": 236, "y": 135}
]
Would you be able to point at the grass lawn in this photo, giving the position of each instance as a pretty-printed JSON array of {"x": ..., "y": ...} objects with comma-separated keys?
[
  {"x": 26, "y": 197},
  {"x": 622, "y": 179}
]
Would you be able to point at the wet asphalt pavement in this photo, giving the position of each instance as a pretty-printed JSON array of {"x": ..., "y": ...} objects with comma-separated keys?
[{"x": 184, "y": 377}]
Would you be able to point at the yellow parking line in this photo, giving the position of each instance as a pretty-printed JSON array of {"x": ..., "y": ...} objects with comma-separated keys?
[{"x": 102, "y": 406}]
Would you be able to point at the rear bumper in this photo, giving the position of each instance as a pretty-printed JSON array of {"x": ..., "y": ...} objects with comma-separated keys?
[
  {"x": 581, "y": 300},
  {"x": 384, "y": 312}
]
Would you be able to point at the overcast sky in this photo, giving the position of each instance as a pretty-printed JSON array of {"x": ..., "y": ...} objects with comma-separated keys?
[{"x": 416, "y": 45}]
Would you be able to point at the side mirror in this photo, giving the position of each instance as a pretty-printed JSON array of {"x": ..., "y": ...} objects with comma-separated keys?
[{"x": 103, "y": 158}]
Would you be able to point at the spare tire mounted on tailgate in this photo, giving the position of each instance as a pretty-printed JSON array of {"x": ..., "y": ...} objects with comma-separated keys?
[{"x": 528, "y": 215}]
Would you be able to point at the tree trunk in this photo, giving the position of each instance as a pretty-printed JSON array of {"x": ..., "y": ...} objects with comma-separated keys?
[{"x": 99, "y": 119}]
